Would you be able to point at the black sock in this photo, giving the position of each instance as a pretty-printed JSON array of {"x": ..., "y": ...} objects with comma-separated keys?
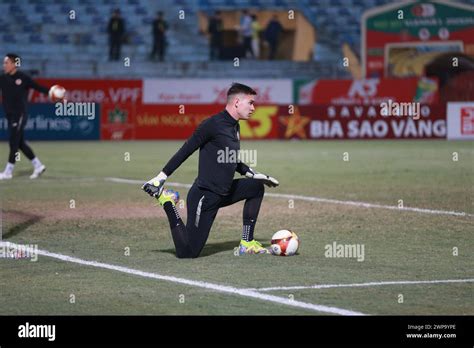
[
  {"x": 247, "y": 230},
  {"x": 250, "y": 214}
]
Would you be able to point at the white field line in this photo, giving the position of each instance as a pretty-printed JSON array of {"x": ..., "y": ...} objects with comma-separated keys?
[
  {"x": 356, "y": 285},
  {"x": 321, "y": 200},
  {"x": 141, "y": 182},
  {"x": 200, "y": 284}
]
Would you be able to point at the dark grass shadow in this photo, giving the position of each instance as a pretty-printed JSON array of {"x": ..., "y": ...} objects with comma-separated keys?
[
  {"x": 26, "y": 220},
  {"x": 209, "y": 249}
]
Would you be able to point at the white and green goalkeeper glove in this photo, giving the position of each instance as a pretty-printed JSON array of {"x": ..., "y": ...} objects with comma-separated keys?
[
  {"x": 267, "y": 180},
  {"x": 154, "y": 186}
]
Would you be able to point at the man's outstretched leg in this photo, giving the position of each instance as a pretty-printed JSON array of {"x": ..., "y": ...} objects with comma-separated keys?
[
  {"x": 202, "y": 208},
  {"x": 168, "y": 200}
]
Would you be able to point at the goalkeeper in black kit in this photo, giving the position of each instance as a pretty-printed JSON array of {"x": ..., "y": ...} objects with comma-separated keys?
[
  {"x": 214, "y": 186},
  {"x": 14, "y": 86}
]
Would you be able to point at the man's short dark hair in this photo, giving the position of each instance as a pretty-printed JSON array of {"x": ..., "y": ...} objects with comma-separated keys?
[
  {"x": 238, "y": 88},
  {"x": 13, "y": 57}
]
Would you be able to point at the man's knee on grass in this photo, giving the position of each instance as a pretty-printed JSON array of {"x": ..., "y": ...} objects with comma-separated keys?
[{"x": 187, "y": 254}]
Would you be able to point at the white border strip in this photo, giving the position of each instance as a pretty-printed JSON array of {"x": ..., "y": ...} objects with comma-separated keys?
[
  {"x": 356, "y": 285},
  {"x": 200, "y": 284},
  {"x": 321, "y": 200}
]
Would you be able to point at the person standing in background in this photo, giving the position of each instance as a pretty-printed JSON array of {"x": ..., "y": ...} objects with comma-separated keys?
[
  {"x": 14, "y": 86},
  {"x": 256, "y": 28},
  {"x": 215, "y": 31},
  {"x": 246, "y": 33},
  {"x": 272, "y": 35},
  {"x": 116, "y": 30},
  {"x": 160, "y": 26}
]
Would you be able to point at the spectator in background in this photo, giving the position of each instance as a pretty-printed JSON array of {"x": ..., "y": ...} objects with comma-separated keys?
[
  {"x": 116, "y": 30},
  {"x": 256, "y": 28},
  {"x": 214, "y": 29},
  {"x": 160, "y": 26},
  {"x": 272, "y": 35},
  {"x": 246, "y": 33}
]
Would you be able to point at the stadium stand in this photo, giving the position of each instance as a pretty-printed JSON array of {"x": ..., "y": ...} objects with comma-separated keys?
[{"x": 58, "y": 46}]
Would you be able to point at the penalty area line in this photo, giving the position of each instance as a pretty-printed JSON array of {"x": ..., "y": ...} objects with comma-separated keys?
[{"x": 195, "y": 283}]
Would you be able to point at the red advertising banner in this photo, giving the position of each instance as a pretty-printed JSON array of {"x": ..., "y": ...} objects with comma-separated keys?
[
  {"x": 362, "y": 122},
  {"x": 97, "y": 91},
  {"x": 170, "y": 121},
  {"x": 139, "y": 121},
  {"x": 117, "y": 121},
  {"x": 368, "y": 91},
  {"x": 319, "y": 122}
]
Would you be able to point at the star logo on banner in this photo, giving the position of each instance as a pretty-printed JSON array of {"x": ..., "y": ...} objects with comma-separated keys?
[
  {"x": 295, "y": 124},
  {"x": 117, "y": 115}
]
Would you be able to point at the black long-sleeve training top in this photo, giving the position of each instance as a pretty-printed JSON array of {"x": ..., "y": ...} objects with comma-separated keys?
[
  {"x": 15, "y": 92},
  {"x": 212, "y": 137}
]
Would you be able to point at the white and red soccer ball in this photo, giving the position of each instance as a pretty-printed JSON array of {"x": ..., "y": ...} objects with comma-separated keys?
[
  {"x": 57, "y": 93},
  {"x": 285, "y": 243}
]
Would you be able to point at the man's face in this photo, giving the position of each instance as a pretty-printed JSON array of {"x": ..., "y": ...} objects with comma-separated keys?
[
  {"x": 8, "y": 66},
  {"x": 245, "y": 105}
]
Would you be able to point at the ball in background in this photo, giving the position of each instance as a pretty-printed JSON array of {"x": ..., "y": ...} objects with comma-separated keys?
[{"x": 57, "y": 93}]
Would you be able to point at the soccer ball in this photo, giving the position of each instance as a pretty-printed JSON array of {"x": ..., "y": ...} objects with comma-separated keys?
[
  {"x": 285, "y": 243},
  {"x": 57, "y": 93}
]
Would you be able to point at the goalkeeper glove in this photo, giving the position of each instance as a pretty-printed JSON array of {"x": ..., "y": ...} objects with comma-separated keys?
[
  {"x": 154, "y": 186},
  {"x": 267, "y": 180}
]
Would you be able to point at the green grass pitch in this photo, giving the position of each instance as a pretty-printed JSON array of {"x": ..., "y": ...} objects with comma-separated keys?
[{"x": 74, "y": 210}]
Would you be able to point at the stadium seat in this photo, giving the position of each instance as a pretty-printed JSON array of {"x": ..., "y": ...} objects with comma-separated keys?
[{"x": 86, "y": 37}]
